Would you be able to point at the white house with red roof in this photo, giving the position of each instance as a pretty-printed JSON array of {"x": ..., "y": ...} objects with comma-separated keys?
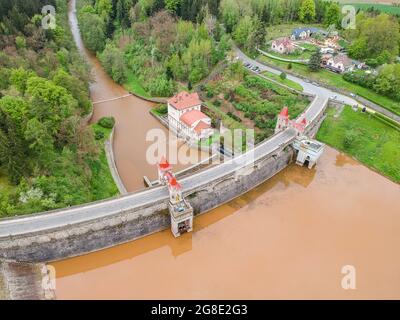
[
  {"x": 283, "y": 46},
  {"x": 186, "y": 118}
]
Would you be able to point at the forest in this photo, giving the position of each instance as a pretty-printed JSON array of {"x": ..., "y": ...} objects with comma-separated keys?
[{"x": 50, "y": 158}]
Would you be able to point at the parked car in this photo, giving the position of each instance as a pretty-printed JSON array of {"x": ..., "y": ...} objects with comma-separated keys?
[
  {"x": 352, "y": 95},
  {"x": 246, "y": 64}
]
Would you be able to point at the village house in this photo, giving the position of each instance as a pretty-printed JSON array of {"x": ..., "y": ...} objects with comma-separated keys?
[
  {"x": 342, "y": 63},
  {"x": 186, "y": 119},
  {"x": 283, "y": 46},
  {"x": 306, "y": 32}
]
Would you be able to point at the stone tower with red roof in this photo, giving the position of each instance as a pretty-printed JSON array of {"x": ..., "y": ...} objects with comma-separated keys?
[{"x": 180, "y": 210}]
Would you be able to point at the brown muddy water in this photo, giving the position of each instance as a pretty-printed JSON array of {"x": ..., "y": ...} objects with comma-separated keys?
[
  {"x": 133, "y": 122},
  {"x": 289, "y": 238}
]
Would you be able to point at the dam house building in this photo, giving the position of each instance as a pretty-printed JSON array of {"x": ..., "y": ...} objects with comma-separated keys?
[
  {"x": 186, "y": 119},
  {"x": 308, "y": 151}
]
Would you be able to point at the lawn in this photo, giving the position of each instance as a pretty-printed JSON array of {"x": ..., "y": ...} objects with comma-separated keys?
[
  {"x": 336, "y": 80},
  {"x": 102, "y": 182},
  {"x": 286, "y": 82},
  {"x": 364, "y": 137},
  {"x": 381, "y": 7},
  {"x": 133, "y": 85},
  {"x": 285, "y": 30},
  {"x": 243, "y": 100}
]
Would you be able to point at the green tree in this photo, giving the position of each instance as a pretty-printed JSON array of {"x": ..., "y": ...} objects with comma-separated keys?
[
  {"x": 307, "y": 11},
  {"x": 315, "y": 61},
  {"x": 243, "y": 31},
  {"x": 112, "y": 60},
  {"x": 332, "y": 15},
  {"x": 93, "y": 29},
  {"x": 172, "y": 5}
]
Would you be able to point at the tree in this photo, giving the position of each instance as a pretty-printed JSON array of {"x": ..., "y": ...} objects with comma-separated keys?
[
  {"x": 315, "y": 61},
  {"x": 243, "y": 31},
  {"x": 332, "y": 15},
  {"x": 230, "y": 12},
  {"x": 307, "y": 11},
  {"x": 283, "y": 76},
  {"x": 172, "y": 5},
  {"x": 374, "y": 35},
  {"x": 113, "y": 62},
  {"x": 93, "y": 29},
  {"x": 388, "y": 81}
]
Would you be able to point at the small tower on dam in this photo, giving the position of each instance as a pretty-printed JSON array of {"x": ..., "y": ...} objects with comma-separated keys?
[
  {"x": 180, "y": 210},
  {"x": 308, "y": 150}
]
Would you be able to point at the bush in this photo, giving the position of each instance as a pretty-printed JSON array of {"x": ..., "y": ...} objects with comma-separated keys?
[
  {"x": 217, "y": 103},
  {"x": 107, "y": 122},
  {"x": 99, "y": 135},
  {"x": 234, "y": 116},
  {"x": 283, "y": 76},
  {"x": 162, "y": 109},
  {"x": 349, "y": 138}
]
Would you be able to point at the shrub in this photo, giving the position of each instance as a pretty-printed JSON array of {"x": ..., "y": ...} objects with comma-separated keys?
[
  {"x": 234, "y": 116},
  {"x": 349, "y": 138},
  {"x": 99, "y": 135},
  {"x": 162, "y": 109},
  {"x": 283, "y": 76},
  {"x": 107, "y": 122}
]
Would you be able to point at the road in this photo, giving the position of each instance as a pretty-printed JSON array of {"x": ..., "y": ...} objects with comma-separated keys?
[
  {"x": 53, "y": 220},
  {"x": 109, "y": 208},
  {"x": 308, "y": 87}
]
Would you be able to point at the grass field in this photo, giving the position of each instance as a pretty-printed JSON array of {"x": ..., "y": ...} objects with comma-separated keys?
[
  {"x": 287, "y": 82},
  {"x": 102, "y": 182},
  {"x": 285, "y": 30},
  {"x": 364, "y": 137},
  {"x": 133, "y": 85},
  {"x": 334, "y": 79}
]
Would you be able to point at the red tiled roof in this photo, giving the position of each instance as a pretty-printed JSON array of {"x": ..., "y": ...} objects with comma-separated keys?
[
  {"x": 184, "y": 100},
  {"x": 192, "y": 116},
  {"x": 201, "y": 126},
  {"x": 164, "y": 164},
  {"x": 284, "y": 112},
  {"x": 173, "y": 182},
  {"x": 285, "y": 41}
]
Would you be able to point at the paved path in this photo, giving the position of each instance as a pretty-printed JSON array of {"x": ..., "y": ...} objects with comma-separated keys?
[{"x": 283, "y": 59}]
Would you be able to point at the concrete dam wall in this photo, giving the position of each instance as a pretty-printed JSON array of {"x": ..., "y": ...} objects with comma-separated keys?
[{"x": 130, "y": 225}]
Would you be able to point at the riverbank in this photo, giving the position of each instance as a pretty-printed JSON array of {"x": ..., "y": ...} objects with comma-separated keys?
[{"x": 364, "y": 137}]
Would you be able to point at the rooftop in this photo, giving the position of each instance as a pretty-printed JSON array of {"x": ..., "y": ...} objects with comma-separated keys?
[
  {"x": 189, "y": 118},
  {"x": 184, "y": 100}
]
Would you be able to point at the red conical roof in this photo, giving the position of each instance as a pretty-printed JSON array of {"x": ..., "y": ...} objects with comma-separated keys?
[
  {"x": 304, "y": 121},
  {"x": 164, "y": 164},
  {"x": 284, "y": 112}
]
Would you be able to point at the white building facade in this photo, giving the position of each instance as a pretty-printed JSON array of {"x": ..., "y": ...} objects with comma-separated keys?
[{"x": 186, "y": 118}]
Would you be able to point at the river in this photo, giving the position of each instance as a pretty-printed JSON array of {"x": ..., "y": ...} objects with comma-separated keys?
[
  {"x": 288, "y": 238},
  {"x": 133, "y": 121}
]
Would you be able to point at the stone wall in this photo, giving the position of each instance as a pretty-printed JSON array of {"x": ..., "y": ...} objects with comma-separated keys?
[
  {"x": 130, "y": 225},
  {"x": 23, "y": 281}
]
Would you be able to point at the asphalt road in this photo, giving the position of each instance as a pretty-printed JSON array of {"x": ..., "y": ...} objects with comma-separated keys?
[{"x": 77, "y": 215}]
